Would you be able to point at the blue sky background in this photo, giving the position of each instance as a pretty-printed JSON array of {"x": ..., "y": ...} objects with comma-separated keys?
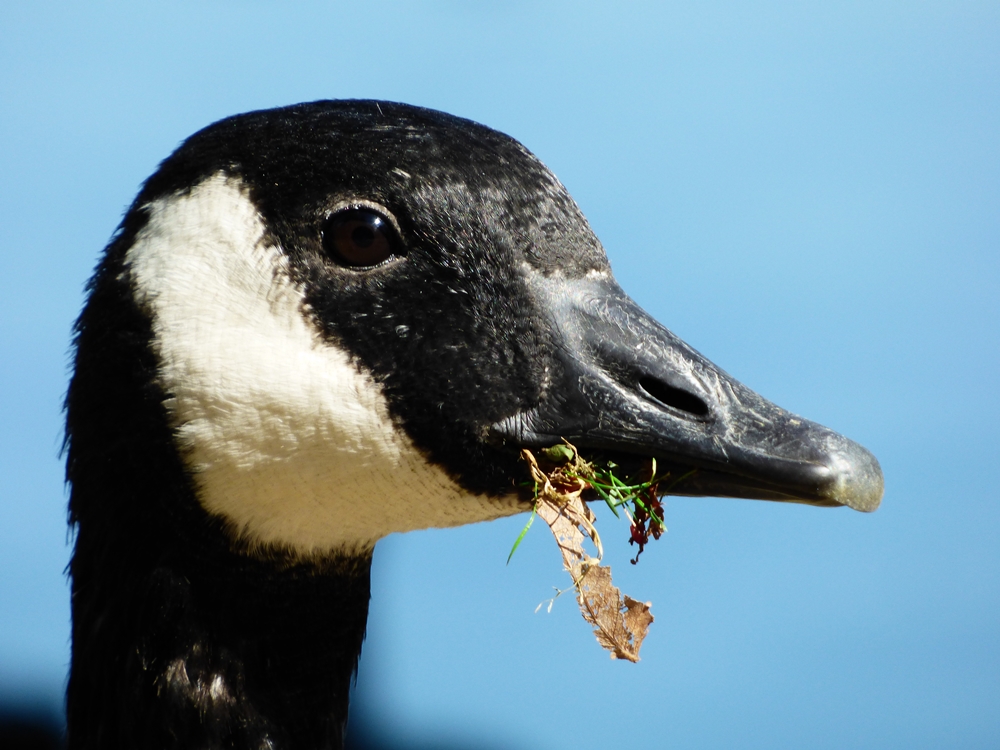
[{"x": 808, "y": 193}]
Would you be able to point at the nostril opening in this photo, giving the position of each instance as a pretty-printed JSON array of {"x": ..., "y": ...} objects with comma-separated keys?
[{"x": 675, "y": 397}]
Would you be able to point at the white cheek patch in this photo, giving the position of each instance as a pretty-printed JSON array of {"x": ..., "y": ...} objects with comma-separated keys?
[{"x": 287, "y": 440}]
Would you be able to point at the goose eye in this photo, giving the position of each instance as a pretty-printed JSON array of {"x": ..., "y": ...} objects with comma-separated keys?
[{"x": 360, "y": 238}]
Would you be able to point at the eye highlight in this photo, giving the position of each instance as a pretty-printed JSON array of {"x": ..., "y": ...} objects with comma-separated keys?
[{"x": 360, "y": 237}]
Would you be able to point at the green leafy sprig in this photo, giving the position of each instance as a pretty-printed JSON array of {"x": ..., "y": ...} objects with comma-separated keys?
[{"x": 646, "y": 513}]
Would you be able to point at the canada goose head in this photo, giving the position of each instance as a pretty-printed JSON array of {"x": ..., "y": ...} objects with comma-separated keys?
[{"x": 323, "y": 324}]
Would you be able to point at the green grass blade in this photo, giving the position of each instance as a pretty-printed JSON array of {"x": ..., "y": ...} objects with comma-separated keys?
[
  {"x": 606, "y": 498},
  {"x": 517, "y": 542}
]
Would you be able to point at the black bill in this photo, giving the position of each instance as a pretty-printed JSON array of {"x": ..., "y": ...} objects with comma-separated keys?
[{"x": 628, "y": 385}]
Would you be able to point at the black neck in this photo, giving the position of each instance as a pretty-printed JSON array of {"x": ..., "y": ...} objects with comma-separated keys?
[
  {"x": 181, "y": 640},
  {"x": 256, "y": 655}
]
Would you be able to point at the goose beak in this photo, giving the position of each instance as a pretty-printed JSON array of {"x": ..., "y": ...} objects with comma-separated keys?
[{"x": 629, "y": 386}]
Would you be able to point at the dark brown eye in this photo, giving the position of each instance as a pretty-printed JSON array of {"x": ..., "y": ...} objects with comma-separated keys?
[{"x": 360, "y": 238}]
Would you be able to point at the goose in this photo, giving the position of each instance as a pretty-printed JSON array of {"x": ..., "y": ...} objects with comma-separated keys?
[{"x": 322, "y": 324}]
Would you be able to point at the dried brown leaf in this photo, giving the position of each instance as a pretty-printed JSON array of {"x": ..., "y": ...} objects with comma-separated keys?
[{"x": 620, "y": 623}]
